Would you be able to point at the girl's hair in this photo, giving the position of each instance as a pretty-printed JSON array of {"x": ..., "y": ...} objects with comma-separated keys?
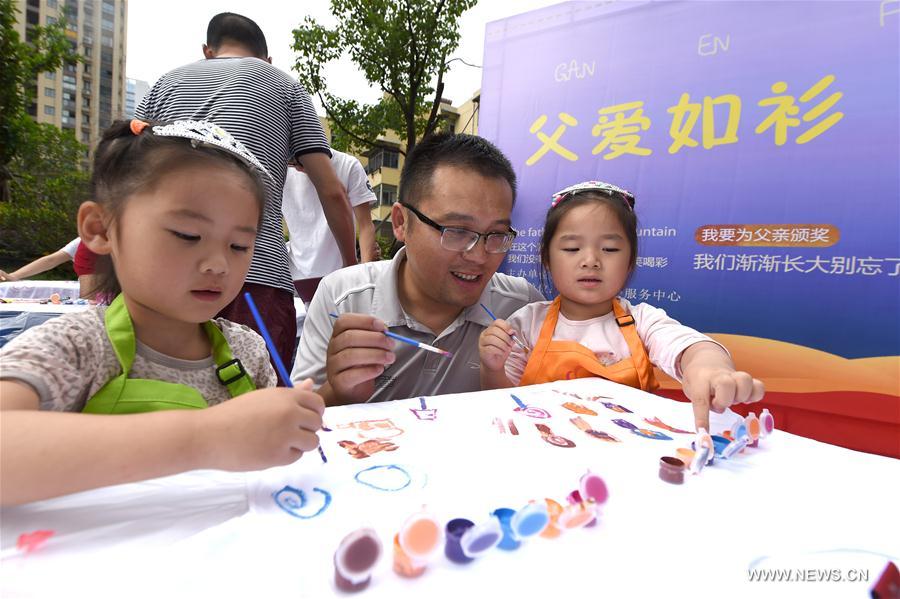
[
  {"x": 621, "y": 204},
  {"x": 130, "y": 159}
]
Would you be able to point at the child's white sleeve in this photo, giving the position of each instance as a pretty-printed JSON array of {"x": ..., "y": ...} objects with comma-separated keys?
[{"x": 665, "y": 338}]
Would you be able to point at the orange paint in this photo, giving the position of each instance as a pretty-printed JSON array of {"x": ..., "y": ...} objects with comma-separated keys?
[{"x": 554, "y": 509}]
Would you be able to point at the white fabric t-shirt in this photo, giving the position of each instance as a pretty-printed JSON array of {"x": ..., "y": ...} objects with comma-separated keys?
[
  {"x": 72, "y": 247},
  {"x": 664, "y": 337},
  {"x": 313, "y": 251}
]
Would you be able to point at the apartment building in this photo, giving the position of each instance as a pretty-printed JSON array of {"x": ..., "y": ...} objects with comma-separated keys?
[{"x": 84, "y": 97}]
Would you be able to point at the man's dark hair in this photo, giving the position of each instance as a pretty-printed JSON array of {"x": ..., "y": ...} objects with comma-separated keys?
[
  {"x": 461, "y": 150},
  {"x": 238, "y": 29}
]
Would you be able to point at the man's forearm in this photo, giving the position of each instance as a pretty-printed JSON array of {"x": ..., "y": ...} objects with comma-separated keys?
[{"x": 340, "y": 220}]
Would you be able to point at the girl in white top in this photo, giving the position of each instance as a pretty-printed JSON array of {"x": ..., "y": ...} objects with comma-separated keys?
[{"x": 589, "y": 247}]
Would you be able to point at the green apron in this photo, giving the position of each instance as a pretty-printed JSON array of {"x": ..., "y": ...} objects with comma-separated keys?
[{"x": 123, "y": 395}]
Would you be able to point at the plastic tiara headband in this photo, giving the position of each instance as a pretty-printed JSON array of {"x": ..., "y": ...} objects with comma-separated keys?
[
  {"x": 204, "y": 133},
  {"x": 605, "y": 188}
]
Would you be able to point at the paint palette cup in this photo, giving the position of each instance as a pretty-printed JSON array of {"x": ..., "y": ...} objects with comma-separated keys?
[
  {"x": 671, "y": 470},
  {"x": 554, "y": 509},
  {"x": 510, "y": 541},
  {"x": 355, "y": 559},
  {"x": 719, "y": 443},
  {"x": 574, "y": 498},
  {"x": 577, "y": 515},
  {"x": 481, "y": 538},
  {"x": 418, "y": 540},
  {"x": 593, "y": 487},
  {"x": 531, "y": 520},
  {"x": 456, "y": 529}
]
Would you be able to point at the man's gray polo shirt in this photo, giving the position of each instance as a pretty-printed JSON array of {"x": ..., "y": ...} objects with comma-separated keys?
[{"x": 371, "y": 288}]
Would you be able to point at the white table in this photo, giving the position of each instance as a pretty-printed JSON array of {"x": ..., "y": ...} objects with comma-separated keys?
[
  {"x": 30, "y": 289},
  {"x": 791, "y": 503}
]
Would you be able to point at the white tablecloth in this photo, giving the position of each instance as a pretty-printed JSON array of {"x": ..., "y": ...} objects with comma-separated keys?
[
  {"x": 791, "y": 504},
  {"x": 29, "y": 289}
]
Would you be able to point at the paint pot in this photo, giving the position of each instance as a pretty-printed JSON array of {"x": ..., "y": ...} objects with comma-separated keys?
[
  {"x": 416, "y": 543},
  {"x": 355, "y": 559},
  {"x": 719, "y": 443},
  {"x": 531, "y": 520},
  {"x": 481, "y": 538},
  {"x": 577, "y": 515},
  {"x": 671, "y": 470},
  {"x": 753, "y": 427},
  {"x": 686, "y": 455},
  {"x": 593, "y": 487},
  {"x": 768, "y": 423},
  {"x": 456, "y": 528},
  {"x": 509, "y": 542},
  {"x": 574, "y": 498},
  {"x": 554, "y": 509},
  {"x": 735, "y": 447}
]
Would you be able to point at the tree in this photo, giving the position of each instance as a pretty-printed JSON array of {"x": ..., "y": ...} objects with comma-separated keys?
[
  {"x": 41, "y": 183},
  {"x": 401, "y": 46},
  {"x": 20, "y": 64}
]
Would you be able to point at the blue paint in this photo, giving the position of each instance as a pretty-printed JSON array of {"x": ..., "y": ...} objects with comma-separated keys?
[
  {"x": 290, "y": 500},
  {"x": 719, "y": 443},
  {"x": 509, "y": 542},
  {"x": 518, "y": 401},
  {"x": 422, "y": 401},
  {"x": 532, "y": 524},
  {"x": 388, "y": 467}
]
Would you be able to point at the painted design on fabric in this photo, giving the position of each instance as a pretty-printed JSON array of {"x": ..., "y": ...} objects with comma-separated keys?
[
  {"x": 553, "y": 439},
  {"x": 578, "y": 408},
  {"x": 660, "y": 424},
  {"x": 388, "y": 477},
  {"x": 367, "y": 448},
  {"x": 292, "y": 500}
]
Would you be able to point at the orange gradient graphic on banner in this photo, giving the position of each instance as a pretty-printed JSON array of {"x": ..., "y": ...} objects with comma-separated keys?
[{"x": 800, "y": 235}]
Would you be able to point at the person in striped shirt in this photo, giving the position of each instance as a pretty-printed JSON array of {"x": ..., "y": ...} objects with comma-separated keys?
[{"x": 237, "y": 88}]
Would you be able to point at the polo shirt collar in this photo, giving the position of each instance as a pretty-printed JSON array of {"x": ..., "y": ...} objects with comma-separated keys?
[{"x": 386, "y": 300}]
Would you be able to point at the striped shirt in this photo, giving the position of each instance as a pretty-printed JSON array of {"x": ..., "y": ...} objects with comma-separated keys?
[{"x": 266, "y": 110}]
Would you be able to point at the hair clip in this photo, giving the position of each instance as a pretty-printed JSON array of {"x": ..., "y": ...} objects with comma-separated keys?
[
  {"x": 137, "y": 126},
  {"x": 205, "y": 133},
  {"x": 605, "y": 188}
]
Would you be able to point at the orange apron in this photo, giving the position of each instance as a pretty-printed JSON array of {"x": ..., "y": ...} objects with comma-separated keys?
[{"x": 561, "y": 360}]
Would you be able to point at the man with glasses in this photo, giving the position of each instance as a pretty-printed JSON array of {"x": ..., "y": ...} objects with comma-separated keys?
[{"x": 456, "y": 198}]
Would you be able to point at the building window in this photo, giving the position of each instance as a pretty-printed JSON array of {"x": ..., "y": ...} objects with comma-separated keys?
[
  {"x": 51, "y": 20},
  {"x": 387, "y": 194},
  {"x": 51, "y": 76},
  {"x": 383, "y": 158},
  {"x": 51, "y": 3},
  {"x": 49, "y": 92},
  {"x": 49, "y": 110}
]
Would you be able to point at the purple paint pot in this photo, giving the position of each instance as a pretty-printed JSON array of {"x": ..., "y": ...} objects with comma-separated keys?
[
  {"x": 355, "y": 559},
  {"x": 481, "y": 538},
  {"x": 456, "y": 528}
]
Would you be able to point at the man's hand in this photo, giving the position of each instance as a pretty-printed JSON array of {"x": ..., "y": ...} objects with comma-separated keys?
[{"x": 358, "y": 352}]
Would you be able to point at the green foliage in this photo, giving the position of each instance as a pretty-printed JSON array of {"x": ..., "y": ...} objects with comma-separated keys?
[
  {"x": 41, "y": 184},
  {"x": 401, "y": 46},
  {"x": 46, "y": 189}
]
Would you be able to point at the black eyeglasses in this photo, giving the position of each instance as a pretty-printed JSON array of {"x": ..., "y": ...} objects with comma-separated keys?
[{"x": 457, "y": 239}]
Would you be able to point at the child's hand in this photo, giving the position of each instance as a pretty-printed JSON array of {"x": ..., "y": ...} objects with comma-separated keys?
[
  {"x": 712, "y": 383},
  {"x": 494, "y": 345},
  {"x": 261, "y": 429}
]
